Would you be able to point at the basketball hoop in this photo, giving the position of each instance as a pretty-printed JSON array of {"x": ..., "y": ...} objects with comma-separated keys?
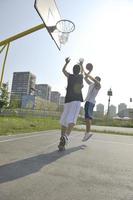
[{"x": 63, "y": 27}]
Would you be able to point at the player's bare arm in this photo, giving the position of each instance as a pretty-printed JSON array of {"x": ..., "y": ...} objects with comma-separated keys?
[
  {"x": 86, "y": 79},
  {"x": 67, "y": 60},
  {"x": 81, "y": 60},
  {"x": 89, "y": 68},
  {"x": 93, "y": 79}
]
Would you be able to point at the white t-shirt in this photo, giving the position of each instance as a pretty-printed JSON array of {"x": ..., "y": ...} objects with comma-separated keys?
[{"x": 92, "y": 93}]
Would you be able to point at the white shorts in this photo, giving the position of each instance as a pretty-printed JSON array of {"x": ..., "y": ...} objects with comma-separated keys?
[{"x": 70, "y": 113}]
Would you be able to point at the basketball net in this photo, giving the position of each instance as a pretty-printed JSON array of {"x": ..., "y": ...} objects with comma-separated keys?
[{"x": 63, "y": 37}]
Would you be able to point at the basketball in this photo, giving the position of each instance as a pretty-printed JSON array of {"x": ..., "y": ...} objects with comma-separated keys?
[{"x": 89, "y": 67}]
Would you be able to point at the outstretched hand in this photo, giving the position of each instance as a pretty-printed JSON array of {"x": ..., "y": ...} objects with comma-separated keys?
[
  {"x": 81, "y": 60},
  {"x": 67, "y": 60}
]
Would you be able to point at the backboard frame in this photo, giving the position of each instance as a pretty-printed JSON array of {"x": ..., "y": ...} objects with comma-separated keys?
[{"x": 51, "y": 33}]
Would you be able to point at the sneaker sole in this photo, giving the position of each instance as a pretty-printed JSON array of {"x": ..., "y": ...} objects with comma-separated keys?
[
  {"x": 61, "y": 148},
  {"x": 61, "y": 145},
  {"x": 87, "y": 138}
]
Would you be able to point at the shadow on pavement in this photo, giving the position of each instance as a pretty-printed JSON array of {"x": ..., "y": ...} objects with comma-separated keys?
[{"x": 21, "y": 168}]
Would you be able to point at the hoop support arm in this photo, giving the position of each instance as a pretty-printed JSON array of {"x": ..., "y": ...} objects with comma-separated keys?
[{"x": 22, "y": 34}]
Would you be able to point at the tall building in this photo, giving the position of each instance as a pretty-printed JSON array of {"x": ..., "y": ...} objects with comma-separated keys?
[
  {"x": 122, "y": 106},
  {"x": 23, "y": 84},
  {"x": 43, "y": 91},
  {"x": 100, "y": 109},
  {"x": 55, "y": 97},
  {"x": 112, "y": 111},
  {"x": 62, "y": 100}
]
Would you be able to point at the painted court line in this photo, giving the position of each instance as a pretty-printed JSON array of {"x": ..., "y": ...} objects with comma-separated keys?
[
  {"x": 49, "y": 133},
  {"x": 28, "y": 136}
]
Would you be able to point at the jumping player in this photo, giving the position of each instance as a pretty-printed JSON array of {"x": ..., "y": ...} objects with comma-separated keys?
[
  {"x": 94, "y": 87},
  {"x": 73, "y": 101}
]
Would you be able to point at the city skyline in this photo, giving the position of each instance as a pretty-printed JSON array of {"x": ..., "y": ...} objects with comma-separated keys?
[
  {"x": 41, "y": 89},
  {"x": 103, "y": 36}
]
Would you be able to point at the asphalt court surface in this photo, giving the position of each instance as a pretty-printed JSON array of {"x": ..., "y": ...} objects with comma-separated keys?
[{"x": 32, "y": 168}]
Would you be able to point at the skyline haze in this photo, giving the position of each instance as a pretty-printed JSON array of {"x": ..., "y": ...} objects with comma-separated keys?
[{"x": 103, "y": 36}]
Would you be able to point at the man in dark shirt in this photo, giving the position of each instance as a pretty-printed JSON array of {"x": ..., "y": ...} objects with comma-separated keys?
[{"x": 73, "y": 101}]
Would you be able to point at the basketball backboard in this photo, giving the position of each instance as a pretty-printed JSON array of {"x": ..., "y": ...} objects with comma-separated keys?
[{"x": 49, "y": 13}]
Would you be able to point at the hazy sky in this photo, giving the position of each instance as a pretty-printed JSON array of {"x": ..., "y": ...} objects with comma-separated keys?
[{"x": 103, "y": 36}]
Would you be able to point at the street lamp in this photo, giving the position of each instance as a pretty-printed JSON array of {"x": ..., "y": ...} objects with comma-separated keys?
[{"x": 109, "y": 93}]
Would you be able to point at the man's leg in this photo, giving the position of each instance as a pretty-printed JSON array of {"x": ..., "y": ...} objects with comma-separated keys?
[
  {"x": 63, "y": 130},
  {"x": 63, "y": 123},
  {"x": 69, "y": 128},
  {"x": 88, "y": 125},
  {"x": 62, "y": 142},
  {"x": 88, "y": 119},
  {"x": 73, "y": 109}
]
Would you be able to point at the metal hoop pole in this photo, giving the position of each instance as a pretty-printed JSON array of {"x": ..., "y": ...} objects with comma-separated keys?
[
  {"x": 3, "y": 67},
  {"x": 2, "y": 48}
]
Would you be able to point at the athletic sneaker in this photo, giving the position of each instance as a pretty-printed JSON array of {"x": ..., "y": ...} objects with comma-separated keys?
[
  {"x": 86, "y": 137},
  {"x": 63, "y": 142}
]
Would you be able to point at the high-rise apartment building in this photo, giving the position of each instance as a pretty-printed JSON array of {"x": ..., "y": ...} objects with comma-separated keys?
[
  {"x": 112, "y": 111},
  {"x": 55, "y": 97},
  {"x": 23, "y": 83},
  {"x": 43, "y": 91},
  {"x": 121, "y": 107},
  {"x": 100, "y": 109},
  {"x": 62, "y": 100}
]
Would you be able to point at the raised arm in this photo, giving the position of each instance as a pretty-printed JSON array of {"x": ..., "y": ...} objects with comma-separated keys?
[
  {"x": 81, "y": 60},
  {"x": 86, "y": 79},
  {"x": 89, "y": 67},
  {"x": 97, "y": 82},
  {"x": 67, "y": 60}
]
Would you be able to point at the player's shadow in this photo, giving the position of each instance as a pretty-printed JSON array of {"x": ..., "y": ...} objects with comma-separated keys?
[{"x": 18, "y": 169}]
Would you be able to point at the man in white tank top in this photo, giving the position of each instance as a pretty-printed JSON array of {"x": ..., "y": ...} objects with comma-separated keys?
[{"x": 94, "y": 87}]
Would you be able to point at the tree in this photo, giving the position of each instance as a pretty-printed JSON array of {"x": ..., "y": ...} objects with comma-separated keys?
[
  {"x": 4, "y": 98},
  {"x": 15, "y": 103}
]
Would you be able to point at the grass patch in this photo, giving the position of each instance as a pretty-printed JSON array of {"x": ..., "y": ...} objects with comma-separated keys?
[{"x": 15, "y": 125}]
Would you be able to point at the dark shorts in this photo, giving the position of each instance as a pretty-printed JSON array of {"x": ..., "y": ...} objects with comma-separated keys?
[{"x": 88, "y": 110}]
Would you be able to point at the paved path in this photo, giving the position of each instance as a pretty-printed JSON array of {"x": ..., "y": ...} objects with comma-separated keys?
[
  {"x": 110, "y": 129},
  {"x": 31, "y": 168}
]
